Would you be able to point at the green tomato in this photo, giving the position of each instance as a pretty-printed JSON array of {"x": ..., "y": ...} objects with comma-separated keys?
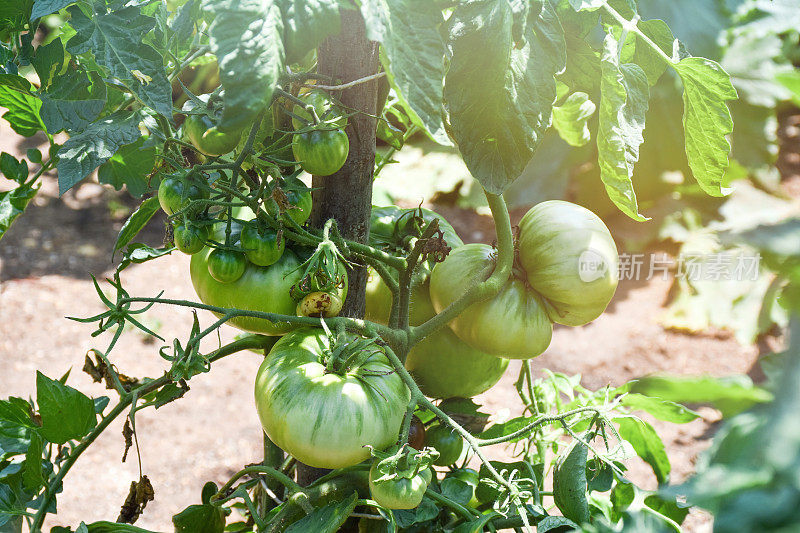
[
  {"x": 321, "y": 152},
  {"x": 400, "y": 493},
  {"x": 442, "y": 365},
  {"x": 226, "y": 266},
  {"x": 447, "y": 442},
  {"x": 322, "y": 418},
  {"x": 570, "y": 259},
  {"x": 471, "y": 478},
  {"x": 391, "y": 226},
  {"x": 190, "y": 238},
  {"x": 511, "y": 324},
  {"x": 298, "y": 195},
  {"x": 264, "y": 289},
  {"x": 175, "y": 194},
  {"x": 262, "y": 245},
  {"x": 324, "y": 108},
  {"x": 203, "y": 133}
]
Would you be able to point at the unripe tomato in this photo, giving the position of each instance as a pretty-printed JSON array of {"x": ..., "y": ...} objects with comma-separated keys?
[
  {"x": 442, "y": 365},
  {"x": 226, "y": 266},
  {"x": 570, "y": 259},
  {"x": 321, "y": 152},
  {"x": 262, "y": 246},
  {"x": 319, "y": 304},
  {"x": 400, "y": 493},
  {"x": 175, "y": 194},
  {"x": 298, "y": 195},
  {"x": 511, "y": 324},
  {"x": 202, "y": 132},
  {"x": 325, "y": 418},
  {"x": 447, "y": 442},
  {"x": 190, "y": 238},
  {"x": 323, "y": 107}
]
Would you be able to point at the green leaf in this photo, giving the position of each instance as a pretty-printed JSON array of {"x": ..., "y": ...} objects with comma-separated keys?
[
  {"x": 23, "y": 108},
  {"x": 16, "y": 411},
  {"x": 84, "y": 152},
  {"x": 136, "y": 222},
  {"x": 476, "y": 525},
  {"x": 636, "y": 50},
  {"x": 706, "y": 120},
  {"x": 569, "y": 483},
  {"x": 13, "y": 203},
  {"x": 48, "y": 62},
  {"x": 306, "y": 24},
  {"x": 14, "y": 439},
  {"x": 326, "y": 519},
  {"x": 571, "y": 118},
  {"x": 73, "y": 101},
  {"x": 754, "y": 62},
  {"x": 66, "y": 413},
  {"x": 32, "y": 477},
  {"x": 647, "y": 443},
  {"x": 551, "y": 523},
  {"x": 730, "y": 395},
  {"x": 13, "y": 169},
  {"x": 661, "y": 409},
  {"x": 14, "y": 15},
  {"x": 414, "y": 57},
  {"x": 117, "y": 41},
  {"x": 791, "y": 80},
  {"x": 140, "y": 253},
  {"x": 46, "y": 7},
  {"x": 457, "y": 490},
  {"x": 130, "y": 167},
  {"x": 10, "y": 508},
  {"x": 586, "y": 5},
  {"x": 200, "y": 518},
  {"x": 670, "y": 508},
  {"x": 246, "y": 38},
  {"x": 623, "y": 106},
  {"x": 500, "y": 98}
]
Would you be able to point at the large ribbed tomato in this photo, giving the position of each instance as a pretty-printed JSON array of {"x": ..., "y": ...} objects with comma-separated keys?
[
  {"x": 322, "y": 416},
  {"x": 442, "y": 365},
  {"x": 511, "y": 324},
  {"x": 570, "y": 259}
]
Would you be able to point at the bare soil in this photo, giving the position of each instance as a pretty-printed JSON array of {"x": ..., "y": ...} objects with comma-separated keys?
[{"x": 45, "y": 264}]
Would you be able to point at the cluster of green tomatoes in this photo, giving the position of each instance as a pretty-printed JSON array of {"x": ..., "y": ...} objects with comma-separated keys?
[
  {"x": 319, "y": 144},
  {"x": 334, "y": 399}
]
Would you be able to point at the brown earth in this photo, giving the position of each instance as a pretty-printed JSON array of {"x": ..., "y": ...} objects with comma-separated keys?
[{"x": 45, "y": 262}]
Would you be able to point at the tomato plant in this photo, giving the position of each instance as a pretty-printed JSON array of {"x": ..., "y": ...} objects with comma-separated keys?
[{"x": 307, "y": 86}]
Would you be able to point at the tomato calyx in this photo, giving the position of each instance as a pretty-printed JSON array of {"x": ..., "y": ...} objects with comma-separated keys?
[
  {"x": 402, "y": 462},
  {"x": 322, "y": 272},
  {"x": 348, "y": 353}
]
